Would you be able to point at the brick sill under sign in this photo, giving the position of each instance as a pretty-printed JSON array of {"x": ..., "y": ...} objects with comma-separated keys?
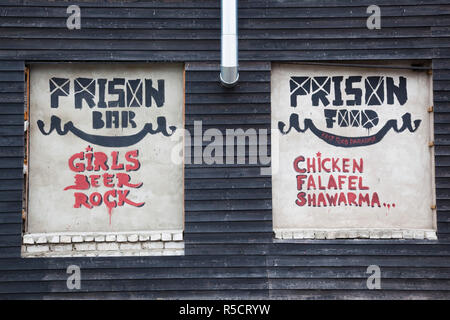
[
  {"x": 355, "y": 234},
  {"x": 98, "y": 244}
]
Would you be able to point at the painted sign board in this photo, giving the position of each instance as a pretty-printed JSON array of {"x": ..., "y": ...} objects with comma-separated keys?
[
  {"x": 354, "y": 149},
  {"x": 100, "y": 147}
]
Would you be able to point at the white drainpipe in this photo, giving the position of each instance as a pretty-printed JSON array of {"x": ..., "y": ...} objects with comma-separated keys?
[{"x": 229, "y": 73}]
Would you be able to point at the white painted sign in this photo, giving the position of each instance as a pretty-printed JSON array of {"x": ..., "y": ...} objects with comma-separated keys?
[
  {"x": 99, "y": 146},
  {"x": 354, "y": 149}
]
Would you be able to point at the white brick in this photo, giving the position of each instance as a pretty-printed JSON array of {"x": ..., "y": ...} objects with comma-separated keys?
[
  {"x": 174, "y": 245},
  {"x": 133, "y": 238},
  {"x": 298, "y": 235},
  {"x": 374, "y": 235},
  {"x": 420, "y": 235},
  {"x": 165, "y": 236},
  {"x": 109, "y": 253},
  {"x": 130, "y": 246},
  {"x": 352, "y": 234},
  {"x": 408, "y": 234},
  {"x": 77, "y": 239},
  {"x": 61, "y": 247},
  {"x": 109, "y": 246},
  {"x": 151, "y": 253},
  {"x": 144, "y": 237},
  {"x": 178, "y": 236},
  {"x": 363, "y": 234},
  {"x": 88, "y": 238},
  {"x": 320, "y": 234},
  {"x": 155, "y": 236},
  {"x": 430, "y": 235},
  {"x": 41, "y": 239},
  {"x": 110, "y": 238},
  {"x": 99, "y": 239},
  {"x": 341, "y": 235},
  {"x": 121, "y": 238},
  {"x": 53, "y": 239},
  {"x": 173, "y": 252},
  {"x": 330, "y": 235},
  {"x": 153, "y": 245},
  {"x": 131, "y": 253},
  {"x": 35, "y": 249},
  {"x": 27, "y": 239},
  {"x": 286, "y": 235},
  {"x": 308, "y": 234},
  {"x": 385, "y": 234},
  {"x": 65, "y": 239},
  {"x": 397, "y": 235},
  {"x": 85, "y": 246}
]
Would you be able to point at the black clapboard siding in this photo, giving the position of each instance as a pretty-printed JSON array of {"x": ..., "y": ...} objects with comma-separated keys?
[
  {"x": 357, "y": 273},
  {"x": 441, "y": 70},
  {"x": 235, "y": 215},
  {"x": 138, "y": 295},
  {"x": 214, "y": 4},
  {"x": 202, "y": 12},
  {"x": 200, "y": 28},
  {"x": 118, "y": 285},
  {"x": 352, "y": 284},
  {"x": 241, "y": 215},
  {"x": 358, "y": 294},
  {"x": 260, "y": 55},
  {"x": 141, "y": 274},
  {"x": 230, "y": 251},
  {"x": 329, "y": 249},
  {"x": 362, "y": 260},
  {"x": 11, "y": 156},
  {"x": 11, "y": 161},
  {"x": 210, "y": 45},
  {"x": 203, "y": 91}
]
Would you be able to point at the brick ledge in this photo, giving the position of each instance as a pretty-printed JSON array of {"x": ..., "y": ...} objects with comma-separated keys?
[
  {"x": 355, "y": 234},
  {"x": 136, "y": 243}
]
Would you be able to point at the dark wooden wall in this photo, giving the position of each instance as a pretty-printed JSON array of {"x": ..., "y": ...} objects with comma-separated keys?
[{"x": 230, "y": 252}]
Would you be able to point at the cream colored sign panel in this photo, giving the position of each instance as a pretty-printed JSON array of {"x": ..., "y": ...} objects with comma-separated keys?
[
  {"x": 354, "y": 149},
  {"x": 100, "y": 148}
]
